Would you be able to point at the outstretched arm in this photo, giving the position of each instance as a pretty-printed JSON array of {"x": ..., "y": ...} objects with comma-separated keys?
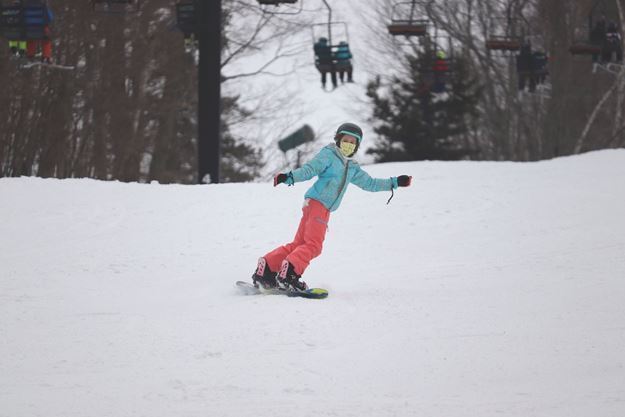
[
  {"x": 367, "y": 183},
  {"x": 364, "y": 181},
  {"x": 310, "y": 169}
]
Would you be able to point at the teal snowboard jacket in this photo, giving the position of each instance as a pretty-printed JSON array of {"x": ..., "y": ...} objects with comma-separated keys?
[{"x": 335, "y": 173}]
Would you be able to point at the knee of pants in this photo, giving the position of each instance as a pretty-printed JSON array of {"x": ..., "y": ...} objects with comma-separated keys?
[
  {"x": 315, "y": 246},
  {"x": 317, "y": 249}
]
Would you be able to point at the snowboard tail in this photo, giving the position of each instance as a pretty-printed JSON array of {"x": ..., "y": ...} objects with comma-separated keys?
[{"x": 247, "y": 288}]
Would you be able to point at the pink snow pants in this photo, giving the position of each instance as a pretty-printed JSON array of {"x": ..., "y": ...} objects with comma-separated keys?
[{"x": 308, "y": 240}]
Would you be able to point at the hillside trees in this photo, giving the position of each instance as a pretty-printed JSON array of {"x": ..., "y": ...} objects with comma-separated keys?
[
  {"x": 580, "y": 110},
  {"x": 415, "y": 124},
  {"x": 128, "y": 111}
]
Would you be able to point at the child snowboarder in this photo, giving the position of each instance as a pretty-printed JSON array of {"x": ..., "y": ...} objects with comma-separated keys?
[{"x": 335, "y": 168}]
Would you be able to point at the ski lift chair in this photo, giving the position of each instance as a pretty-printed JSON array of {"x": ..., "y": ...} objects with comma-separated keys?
[
  {"x": 404, "y": 21},
  {"x": 584, "y": 48},
  {"x": 276, "y": 2},
  {"x": 326, "y": 30},
  {"x": 584, "y": 45},
  {"x": 408, "y": 27},
  {"x": 506, "y": 34},
  {"x": 503, "y": 43}
]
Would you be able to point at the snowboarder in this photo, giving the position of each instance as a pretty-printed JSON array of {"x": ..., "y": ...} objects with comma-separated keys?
[{"x": 335, "y": 168}]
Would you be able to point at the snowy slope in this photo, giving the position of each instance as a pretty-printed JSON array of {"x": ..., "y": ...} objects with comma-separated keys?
[{"x": 485, "y": 289}]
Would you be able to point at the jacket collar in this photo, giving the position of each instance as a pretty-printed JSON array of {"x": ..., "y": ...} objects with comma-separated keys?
[{"x": 338, "y": 153}]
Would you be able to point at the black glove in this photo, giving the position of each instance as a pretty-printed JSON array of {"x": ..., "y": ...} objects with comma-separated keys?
[
  {"x": 404, "y": 180},
  {"x": 280, "y": 178}
]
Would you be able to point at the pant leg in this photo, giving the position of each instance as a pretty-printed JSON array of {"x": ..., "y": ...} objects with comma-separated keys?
[
  {"x": 315, "y": 228},
  {"x": 46, "y": 49},
  {"x": 275, "y": 257},
  {"x": 31, "y": 48},
  {"x": 522, "y": 77},
  {"x": 532, "y": 87}
]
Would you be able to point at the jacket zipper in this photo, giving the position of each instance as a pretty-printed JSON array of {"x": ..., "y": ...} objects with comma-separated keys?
[{"x": 342, "y": 185}]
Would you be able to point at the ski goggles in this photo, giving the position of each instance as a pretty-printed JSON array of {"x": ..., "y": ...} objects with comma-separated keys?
[{"x": 345, "y": 132}]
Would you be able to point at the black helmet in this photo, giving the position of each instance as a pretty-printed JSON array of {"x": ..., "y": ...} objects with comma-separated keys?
[{"x": 348, "y": 129}]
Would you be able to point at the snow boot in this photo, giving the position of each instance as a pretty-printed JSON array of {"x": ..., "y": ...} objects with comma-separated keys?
[
  {"x": 263, "y": 275},
  {"x": 287, "y": 278}
]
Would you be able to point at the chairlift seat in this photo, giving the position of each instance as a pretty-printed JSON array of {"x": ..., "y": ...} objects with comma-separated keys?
[
  {"x": 325, "y": 67},
  {"x": 408, "y": 28},
  {"x": 503, "y": 44},
  {"x": 276, "y": 2},
  {"x": 343, "y": 65},
  {"x": 584, "y": 48}
]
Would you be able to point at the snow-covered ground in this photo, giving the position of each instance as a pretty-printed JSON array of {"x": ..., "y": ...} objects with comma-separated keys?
[{"x": 485, "y": 289}]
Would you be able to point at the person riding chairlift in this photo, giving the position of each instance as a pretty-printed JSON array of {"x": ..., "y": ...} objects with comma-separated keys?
[
  {"x": 440, "y": 69},
  {"x": 324, "y": 61},
  {"x": 343, "y": 58},
  {"x": 597, "y": 37},
  {"x": 524, "y": 66},
  {"x": 37, "y": 15},
  {"x": 613, "y": 44}
]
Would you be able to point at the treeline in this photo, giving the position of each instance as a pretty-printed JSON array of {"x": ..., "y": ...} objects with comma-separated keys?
[
  {"x": 128, "y": 110},
  {"x": 581, "y": 110}
]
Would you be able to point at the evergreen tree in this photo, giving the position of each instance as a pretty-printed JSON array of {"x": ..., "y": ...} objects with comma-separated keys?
[
  {"x": 240, "y": 162},
  {"x": 413, "y": 123}
]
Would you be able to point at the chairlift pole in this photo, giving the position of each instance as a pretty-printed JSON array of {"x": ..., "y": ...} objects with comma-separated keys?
[
  {"x": 413, "y": 5},
  {"x": 209, "y": 90},
  {"x": 329, "y": 22}
]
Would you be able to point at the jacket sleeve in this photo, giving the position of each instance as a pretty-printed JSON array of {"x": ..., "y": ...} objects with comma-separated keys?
[
  {"x": 312, "y": 168},
  {"x": 364, "y": 181}
]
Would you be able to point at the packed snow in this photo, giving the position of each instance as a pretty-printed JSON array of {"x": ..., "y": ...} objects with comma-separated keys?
[{"x": 485, "y": 289}]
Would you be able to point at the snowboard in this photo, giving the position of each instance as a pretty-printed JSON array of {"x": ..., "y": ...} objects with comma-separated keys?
[{"x": 247, "y": 288}]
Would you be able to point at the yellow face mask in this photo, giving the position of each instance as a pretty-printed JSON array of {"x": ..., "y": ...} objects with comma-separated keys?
[{"x": 348, "y": 149}]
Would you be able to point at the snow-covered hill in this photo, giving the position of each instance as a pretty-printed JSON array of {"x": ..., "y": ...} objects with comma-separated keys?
[{"x": 485, "y": 289}]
